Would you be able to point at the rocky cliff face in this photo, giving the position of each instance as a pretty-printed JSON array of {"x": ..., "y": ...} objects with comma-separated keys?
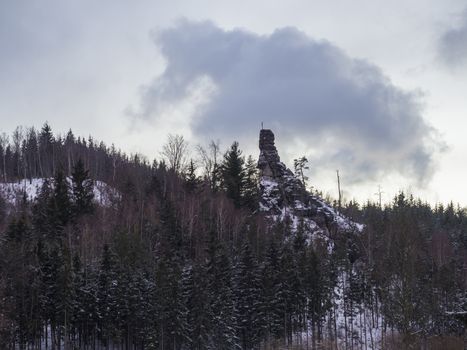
[{"x": 285, "y": 199}]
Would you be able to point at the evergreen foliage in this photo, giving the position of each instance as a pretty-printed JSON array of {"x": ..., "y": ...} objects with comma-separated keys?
[
  {"x": 192, "y": 180},
  {"x": 233, "y": 174},
  {"x": 250, "y": 192},
  {"x": 82, "y": 188}
]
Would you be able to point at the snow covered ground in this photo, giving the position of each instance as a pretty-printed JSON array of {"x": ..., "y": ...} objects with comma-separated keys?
[
  {"x": 13, "y": 192},
  {"x": 361, "y": 328}
]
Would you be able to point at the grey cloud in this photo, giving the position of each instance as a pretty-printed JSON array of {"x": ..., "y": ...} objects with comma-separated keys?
[
  {"x": 34, "y": 29},
  {"x": 452, "y": 46},
  {"x": 344, "y": 109}
]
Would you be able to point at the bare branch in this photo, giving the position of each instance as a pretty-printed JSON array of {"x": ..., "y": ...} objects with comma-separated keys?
[{"x": 175, "y": 152}]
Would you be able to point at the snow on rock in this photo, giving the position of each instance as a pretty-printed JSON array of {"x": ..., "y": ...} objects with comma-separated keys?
[
  {"x": 285, "y": 199},
  {"x": 13, "y": 192}
]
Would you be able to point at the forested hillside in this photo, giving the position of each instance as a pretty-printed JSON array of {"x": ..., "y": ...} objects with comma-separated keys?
[{"x": 180, "y": 256}]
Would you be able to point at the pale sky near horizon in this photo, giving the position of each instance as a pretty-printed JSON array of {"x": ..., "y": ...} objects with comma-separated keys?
[{"x": 375, "y": 89}]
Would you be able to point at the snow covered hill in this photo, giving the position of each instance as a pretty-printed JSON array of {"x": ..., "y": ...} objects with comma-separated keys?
[{"x": 13, "y": 192}]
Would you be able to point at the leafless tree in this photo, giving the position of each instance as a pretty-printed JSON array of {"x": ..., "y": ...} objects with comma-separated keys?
[
  {"x": 4, "y": 140},
  {"x": 210, "y": 159},
  {"x": 18, "y": 137},
  {"x": 175, "y": 152}
]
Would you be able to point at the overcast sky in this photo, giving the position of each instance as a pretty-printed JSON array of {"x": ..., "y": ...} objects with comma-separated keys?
[{"x": 375, "y": 89}]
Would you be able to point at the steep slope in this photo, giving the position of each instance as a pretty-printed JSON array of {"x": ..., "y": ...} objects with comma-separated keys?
[{"x": 283, "y": 197}]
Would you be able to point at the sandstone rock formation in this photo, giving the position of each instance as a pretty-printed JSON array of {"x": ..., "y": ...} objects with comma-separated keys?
[{"x": 284, "y": 197}]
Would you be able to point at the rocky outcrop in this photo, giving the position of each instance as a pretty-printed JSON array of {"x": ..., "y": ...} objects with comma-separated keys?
[
  {"x": 269, "y": 162},
  {"x": 284, "y": 197}
]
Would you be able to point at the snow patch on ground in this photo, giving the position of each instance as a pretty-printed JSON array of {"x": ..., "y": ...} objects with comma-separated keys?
[
  {"x": 13, "y": 192},
  {"x": 362, "y": 328}
]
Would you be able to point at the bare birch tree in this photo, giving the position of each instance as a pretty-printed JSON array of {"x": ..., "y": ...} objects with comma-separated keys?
[
  {"x": 4, "y": 140},
  {"x": 210, "y": 159},
  {"x": 175, "y": 152}
]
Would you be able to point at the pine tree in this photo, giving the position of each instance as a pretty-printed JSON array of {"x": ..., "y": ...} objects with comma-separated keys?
[
  {"x": 285, "y": 295},
  {"x": 61, "y": 204},
  {"x": 70, "y": 141},
  {"x": 66, "y": 292},
  {"x": 87, "y": 314},
  {"x": 107, "y": 294},
  {"x": 43, "y": 216},
  {"x": 54, "y": 296},
  {"x": 248, "y": 300},
  {"x": 31, "y": 154},
  {"x": 300, "y": 165},
  {"x": 171, "y": 312},
  {"x": 221, "y": 295},
  {"x": 124, "y": 296},
  {"x": 17, "y": 281},
  {"x": 18, "y": 230},
  {"x": 196, "y": 306},
  {"x": 271, "y": 286},
  {"x": 46, "y": 151},
  {"x": 171, "y": 240},
  {"x": 82, "y": 187},
  {"x": 191, "y": 179},
  {"x": 300, "y": 252},
  {"x": 250, "y": 189},
  {"x": 142, "y": 315},
  {"x": 319, "y": 290},
  {"x": 233, "y": 174},
  {"x": 77, "y": 307}
]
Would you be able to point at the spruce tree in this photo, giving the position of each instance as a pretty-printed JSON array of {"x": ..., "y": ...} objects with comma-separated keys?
[
  {"x": 61, "y": 203},
  {"x": 197, "y": 327},
  {"x": 271, "y": 286},
  {"x": 18, "y": 281},
  {"x": 291, "y": 295},
  {"x": 171, "y": 313},
  {"x": 46, "y": 151},
  {"x": 233, "y": 174},
  {"x": 18, "y": 231},
  {"x": 54, "y": 294},
  {"x": 250, "y": 189},
  {"x": 319, "y": 288},
  {"x": 191, "y": 179},
  {"x": 78, "y": 315},
  {"x": 82, "y": 187},
  {"x": 248, "y": 300},
  {"x": 42, "y": 212},
  {"x": 107, "y": 294},
  {"x": 221, "y": 295}
]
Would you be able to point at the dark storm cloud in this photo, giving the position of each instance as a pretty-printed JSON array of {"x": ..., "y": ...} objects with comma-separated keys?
[
  {"x": 453, "y": 43},
  {"x": 310, "y": 92}
]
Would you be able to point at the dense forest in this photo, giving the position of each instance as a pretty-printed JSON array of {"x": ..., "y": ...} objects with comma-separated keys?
[{"x": 182, "y": 258}]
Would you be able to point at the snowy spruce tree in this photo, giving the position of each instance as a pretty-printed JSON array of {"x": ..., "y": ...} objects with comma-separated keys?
[
  {"x": 248, "y": 297},
  {"x": 82, "y": 189},
  {"x": 233, "y": 173}
]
